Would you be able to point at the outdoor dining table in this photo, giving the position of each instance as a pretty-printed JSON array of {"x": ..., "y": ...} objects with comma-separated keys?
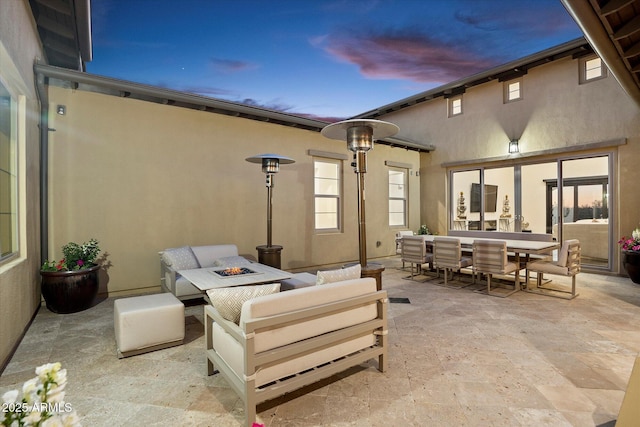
[{"x": 517, "y": 247}]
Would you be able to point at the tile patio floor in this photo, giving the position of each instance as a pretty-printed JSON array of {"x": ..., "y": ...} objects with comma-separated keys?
[{"x": 457, "y": 358}]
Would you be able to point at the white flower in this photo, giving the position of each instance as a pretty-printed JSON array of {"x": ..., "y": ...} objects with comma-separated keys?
[
  {"x": 54, "y": 421},
  {"x": 71, "y": 419},
  {"x": 11, "y": 396},
  {"x": 31, "y": 390},
  {"x": 33, "y": 418},
  {"x": 636, "y": 233},
  {"x": 51, "y": 379}
]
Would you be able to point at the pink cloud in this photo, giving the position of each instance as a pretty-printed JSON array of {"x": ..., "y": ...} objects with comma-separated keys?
[{"x": 408, "y": 55}]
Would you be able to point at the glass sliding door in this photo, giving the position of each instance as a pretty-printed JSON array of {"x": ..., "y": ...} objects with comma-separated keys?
[
  {"x": 536, "y": 215},
  {"x": 499, "y": 196},
  {"x": 585, "y": 206},
  {"x": 569, "y": 198},
  {"x": 465, "y": 205}
]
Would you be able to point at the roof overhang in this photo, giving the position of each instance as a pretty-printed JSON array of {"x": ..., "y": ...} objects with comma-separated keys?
[
  {"x": 65, "y": 78},
  {"x": 64, "y": 27},
  {"x": 612, "y": 28},
  {"x": 575, "y": 48}
]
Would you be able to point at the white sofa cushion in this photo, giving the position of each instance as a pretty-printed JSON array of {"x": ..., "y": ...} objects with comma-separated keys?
[
  {"x": 338, "y": 275},
  {"x": 180, "y": 258},
  {"x": 207, "y": 255},
  {"x": 228, "y": 301},
  {"x": 231, "y": 261}
]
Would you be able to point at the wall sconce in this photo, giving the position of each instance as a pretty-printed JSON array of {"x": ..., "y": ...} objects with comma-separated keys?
[
  {"x": 269, "y": 254},
  {"x": 513, "y": 146},
  {"x": 61, "y": 109}
]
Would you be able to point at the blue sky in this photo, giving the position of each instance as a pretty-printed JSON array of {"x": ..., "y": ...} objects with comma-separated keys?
[{"x": 327, "y": 59}]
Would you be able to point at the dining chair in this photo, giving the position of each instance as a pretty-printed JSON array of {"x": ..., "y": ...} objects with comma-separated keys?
[
  {"x": 568, "y": 265},
  {"x": 399, "y": 235},
  {"x": 489, "y": 258},
  {"x": 414, "y": 251},
  {"x": 447, "y": 254}
]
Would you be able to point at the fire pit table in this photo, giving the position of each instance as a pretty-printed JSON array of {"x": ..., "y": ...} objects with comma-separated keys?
[{"x": 223, "y": 277}]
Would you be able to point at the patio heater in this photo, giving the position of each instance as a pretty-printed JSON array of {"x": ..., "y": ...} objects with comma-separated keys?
[
  {"x": 360, "y": 134},
  {"x": 269, "y": 254}
]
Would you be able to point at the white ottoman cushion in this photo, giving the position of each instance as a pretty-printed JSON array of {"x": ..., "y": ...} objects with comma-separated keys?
[{"x": 148, "y": 322}]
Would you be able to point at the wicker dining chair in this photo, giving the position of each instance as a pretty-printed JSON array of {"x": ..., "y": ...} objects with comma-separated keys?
[
  {"x": 568, "y": 265},
  {"x": 414, "y": 251},
  {"x": 447, "y": 254},
  {"x": 489, "y": 258}
]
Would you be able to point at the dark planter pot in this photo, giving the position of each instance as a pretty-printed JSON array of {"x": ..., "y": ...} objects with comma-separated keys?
[
  {"x": 70, "y": 291},
  {"x": 631, "y": 263}
]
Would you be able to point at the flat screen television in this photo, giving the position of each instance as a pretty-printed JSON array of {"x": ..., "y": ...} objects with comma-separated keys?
[{"x": 490, "y": 198}]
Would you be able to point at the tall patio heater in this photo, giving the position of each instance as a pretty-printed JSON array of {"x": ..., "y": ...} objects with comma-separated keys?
[
  {"x": 269, "y": 254},
  {"x": 360, "y": 134}
]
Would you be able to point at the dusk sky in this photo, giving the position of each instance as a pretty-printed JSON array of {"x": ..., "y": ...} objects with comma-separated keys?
[{"x": 325, "y": 59}]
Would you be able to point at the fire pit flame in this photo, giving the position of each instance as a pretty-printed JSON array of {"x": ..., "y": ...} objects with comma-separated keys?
[{"x": 233, "y": 270}]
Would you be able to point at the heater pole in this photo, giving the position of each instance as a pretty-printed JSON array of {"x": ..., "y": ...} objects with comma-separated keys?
[
  {"x": 269, "y": 209},
  {"x": 361, "y": 169}
]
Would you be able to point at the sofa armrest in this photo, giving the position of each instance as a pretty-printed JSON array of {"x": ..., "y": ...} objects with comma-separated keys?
[
  {"x": 229, "y": 327},
  {"x": 167, "y": 277}
]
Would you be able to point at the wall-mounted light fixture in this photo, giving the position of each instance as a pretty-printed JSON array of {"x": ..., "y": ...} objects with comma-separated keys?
[
  {"x": 61, "y": 109},
  {"x": 513, "y": 146},
  {"x": 269, "y": 254}
]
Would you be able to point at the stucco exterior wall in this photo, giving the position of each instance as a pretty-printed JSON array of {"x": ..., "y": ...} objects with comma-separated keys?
[
  {"x": 556, "y": 112},
  {"x": 141, "y": 177},
  {"x": 19, "y": 278}
]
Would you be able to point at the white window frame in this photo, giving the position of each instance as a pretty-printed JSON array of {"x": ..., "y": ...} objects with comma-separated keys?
[
  {"x": 589, "y": 69},
  {"x": 511, "y": 94},
  {"x": 337, "y": 197},
  {"x": 10, "y": 178},
  {"x": 454, "y": 106},
  {"x": 405, "y": 196}
]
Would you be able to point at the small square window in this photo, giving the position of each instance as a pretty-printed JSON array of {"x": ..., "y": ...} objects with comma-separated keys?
[
  {"x": 591, "y": 69},
  {"x": 512, "y": 90},
  {"x": 455, "y": 106}
]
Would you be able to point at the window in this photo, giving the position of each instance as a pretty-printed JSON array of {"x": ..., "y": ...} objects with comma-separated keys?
[
  {"x": 512, "y": 90},
  {"x": 591, "y": 69},
  {"x": 455, "y": 106},
  {"x": 327, "y": 194},
  {"x": 8, "y": 174},
  {"x": 397, "y": 197}
]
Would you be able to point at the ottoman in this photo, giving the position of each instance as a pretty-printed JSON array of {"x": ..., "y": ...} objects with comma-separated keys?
[{"x": 147, "y": 323}]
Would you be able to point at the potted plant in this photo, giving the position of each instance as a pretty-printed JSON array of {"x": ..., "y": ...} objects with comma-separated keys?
[
  {"x": 71, "y": 284},
  {"x": 631, "y": 255}
]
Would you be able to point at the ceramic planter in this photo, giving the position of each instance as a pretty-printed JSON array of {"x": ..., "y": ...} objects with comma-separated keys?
[{"x": 70, "y": 291}]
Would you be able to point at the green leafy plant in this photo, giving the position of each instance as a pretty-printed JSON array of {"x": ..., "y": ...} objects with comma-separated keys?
[
  {"x": 423, "y": 229},
  {"x": 75, "y": 257}
]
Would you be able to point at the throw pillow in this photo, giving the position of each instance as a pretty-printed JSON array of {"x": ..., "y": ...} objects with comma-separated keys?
[
  {"x": 180, "y": 258},
  {"x": 331, "y": 276},
  {"x": 231, "y": 261},
  {"x": 228, "y": 301}
]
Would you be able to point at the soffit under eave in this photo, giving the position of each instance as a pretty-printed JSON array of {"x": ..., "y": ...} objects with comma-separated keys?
[{"x": 612, "y": 28}]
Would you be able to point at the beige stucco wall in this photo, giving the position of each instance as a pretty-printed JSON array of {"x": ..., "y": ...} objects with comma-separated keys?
[
  {"x": 19, "y": 279},
  {"x": 556, "y": 112},
  {"x": 141, "y": 177}
]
